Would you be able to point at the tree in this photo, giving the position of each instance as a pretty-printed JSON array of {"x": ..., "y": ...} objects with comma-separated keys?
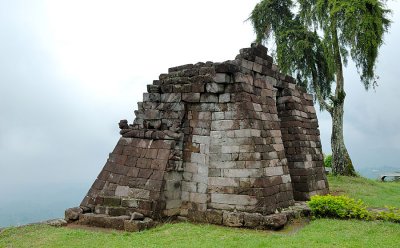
[{"x": 314, "y": 39}]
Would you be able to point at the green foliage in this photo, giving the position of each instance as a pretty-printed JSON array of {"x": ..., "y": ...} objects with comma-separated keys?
[
  {"x": 377, "y": 194},
  {"x": 391, "y": 214},
  {"x": 338, "y": 207},
  {"x": 328, "y": 161},
  {"x": 299, "y": 49},
  {"x": 319, "y": 233},
  {"x": 314, "y": 38},
  {"x": 306, "y": 39},
  {"x": 374, "y": 193}
]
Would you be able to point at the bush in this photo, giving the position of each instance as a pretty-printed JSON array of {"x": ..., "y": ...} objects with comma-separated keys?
[
  {"x": 338, "y": 207},
  {"x": 328, "y": 161},
  {"x": 392, "y": 214}
]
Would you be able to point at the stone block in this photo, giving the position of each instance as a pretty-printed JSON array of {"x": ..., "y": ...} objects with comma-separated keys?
[
  {"x": 197, "y": 216},
  {"x": 189, "y": 186},
  {"x": 227, "y": 67},
  {"x": 200, "y": 178},
  {"x": 72, "y": 214},
  {"x": 274, "y": 221},
  {"x": 111, "y": 201},
  {"x": 201, "y": 139},
  {"x": 273, "y": 171},
  {"x": 138, "y": 225},
  {"x": 105, "y": 221},
  {"x": 209, "y": 98},
  {"x": 222, "y": 125},
  {"x": 233, "y": 199},
  {"x": 191, "y": 97},
  {"x": 202, "y": 188},
  {"x": 130, "y": 203},
  {"x": 223, "y": 165},
  {"x": 122, "y": 191},
  {"x": 257, "y": 67},
  {"x": 241, "y": 173},
  {"x": 252, "y": 220},
  {"x": 233, "y": 219},
  {"x": 171, "y": 97},
  {"x": 243, "y": 78},
  {"x": 197, "y": 197},
  {"x": 139, "y": 193},
  {"x": 137, "y": 216},
  {"x": 222, "y": 78},
  {"x": 230, "y": 149},
  {"x": 214, "y": 88},
  {"x": 218, "y": 116},
  {"x": 198, "y": 158},
  {"x": 224, "y": 98},
  {"x": 151, "y": 97},
  {"x": 223, "y": 181},
  {"x": 117, "y": 211},
  {"x": 173, "y": 204},
  {"x": 214, "y": 216}
]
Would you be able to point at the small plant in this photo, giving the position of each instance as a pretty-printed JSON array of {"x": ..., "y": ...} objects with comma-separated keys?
[
  {"x": 338, "y": 207},
  {"x": 392, "y": 214},
  {"x": 328, "y": 161}
]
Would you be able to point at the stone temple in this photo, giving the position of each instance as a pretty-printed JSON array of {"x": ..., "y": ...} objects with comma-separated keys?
[{"x": 233, "y": 143}]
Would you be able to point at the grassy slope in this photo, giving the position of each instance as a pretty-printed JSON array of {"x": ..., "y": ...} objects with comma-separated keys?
[
  {"x": 372, "y": 193},
  {"x": 326, "y": 233},
  {"x": 320, "y": 233}
]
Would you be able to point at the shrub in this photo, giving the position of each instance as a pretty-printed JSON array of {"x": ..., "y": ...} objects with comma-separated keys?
[
  {"x": 338, "y": 207},
  {"x": 392, "y": 214},
  {"x": 328, "y": 161}
]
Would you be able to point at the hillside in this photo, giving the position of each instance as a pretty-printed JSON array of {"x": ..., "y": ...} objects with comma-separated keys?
[{"x": 319, "y": 232}]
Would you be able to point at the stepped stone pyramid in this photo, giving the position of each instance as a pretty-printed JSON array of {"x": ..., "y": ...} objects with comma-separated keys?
[{"x": 225, "y": 143}]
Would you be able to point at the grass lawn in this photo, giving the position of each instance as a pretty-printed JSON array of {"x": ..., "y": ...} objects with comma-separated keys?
[
  {"x": 319, "y": 233},
  {"x": 373, "y": 193}
]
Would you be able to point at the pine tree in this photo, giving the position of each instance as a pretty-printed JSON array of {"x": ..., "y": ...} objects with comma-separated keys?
[{"x": 314, "y": 39}]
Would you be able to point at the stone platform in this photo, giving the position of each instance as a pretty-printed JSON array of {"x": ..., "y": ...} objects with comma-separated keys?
[{"x": 137, "y": 222}]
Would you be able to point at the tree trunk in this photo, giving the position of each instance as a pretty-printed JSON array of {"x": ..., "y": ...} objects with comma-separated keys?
[{"x": 341, "y": 162}]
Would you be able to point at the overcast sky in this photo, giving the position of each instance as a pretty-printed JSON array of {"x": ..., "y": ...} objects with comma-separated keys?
[{"x": 70, "y": 70}]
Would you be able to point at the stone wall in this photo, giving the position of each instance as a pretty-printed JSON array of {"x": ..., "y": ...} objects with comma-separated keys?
[{"x": 213, "y": 141}]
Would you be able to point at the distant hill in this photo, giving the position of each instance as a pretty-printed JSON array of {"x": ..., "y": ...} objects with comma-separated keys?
[{"x": 375, "y": 172}]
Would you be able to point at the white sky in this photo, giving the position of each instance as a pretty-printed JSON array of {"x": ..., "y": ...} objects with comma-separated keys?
[{"x": 70, "y": 70}]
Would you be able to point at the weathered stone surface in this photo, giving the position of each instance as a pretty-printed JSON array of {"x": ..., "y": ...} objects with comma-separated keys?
[
  {"x": 72, "y": 214},
  {"x": 137, "y": 216},
  {"x": 54, "y": 222},
  {"x": 236, "y": 136},
  {"x": 138, "y": 225},
  {"x": 233, "y": 219},
  {"x": 101, "y": 220},
  {"x": 214, "y": 217},
  {"x": 252, "y": 220},
  {"x": 274, "y": 221}
]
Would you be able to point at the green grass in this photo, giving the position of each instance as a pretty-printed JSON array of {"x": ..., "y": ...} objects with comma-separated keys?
[
  {"x": 319, "y": 233},
  {"x": 373, "y": 193}
]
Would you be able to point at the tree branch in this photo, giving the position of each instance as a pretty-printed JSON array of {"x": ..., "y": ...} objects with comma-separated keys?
[{"x": 320, "y": 99}]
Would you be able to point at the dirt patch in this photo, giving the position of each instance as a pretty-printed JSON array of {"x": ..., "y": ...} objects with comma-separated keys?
[
  {"x": 92, "y": 228},
  {"x": 337, "y": 192},
  {"x": 295, "y": 225}
]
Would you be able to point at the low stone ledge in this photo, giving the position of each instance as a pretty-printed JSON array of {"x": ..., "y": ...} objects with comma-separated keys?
[
  {"x": 102, "y": 220},
  {"x": 251, "y": 220},
  {"x": 72, "y": 214},
  {"x": 139, "y": 225}
]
